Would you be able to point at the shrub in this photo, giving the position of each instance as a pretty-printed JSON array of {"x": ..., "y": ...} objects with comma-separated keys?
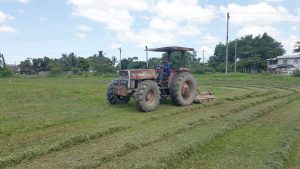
[
  {"x": 198, "y": 69},
  {"x": 54, "y": 72},
  {"x": 77, "y": 71},
  {"x": 5, "y": 72},
  {"x": 296, "y": 73}
]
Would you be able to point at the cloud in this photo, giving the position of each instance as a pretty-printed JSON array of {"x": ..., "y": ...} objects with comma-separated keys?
[
  {"x": 289, "y": 43},
  {"x": 148, "y": 37},
  {"x": 43, "y": 19},
  {"x": 206, "y": 42},
  {"x": 82, "y": 31},
  {"x": 4, "y": 17},
  {"x": 80, "y": 35},
  {"x": 277, "y": 1},
  {"x": 163, "y": 24},
  {"x": 208, "y": 39},
  {"x": 24, "y": 1},
  {"x": 21, "y": 11},
  {"x": 115, "y": 45},
  {"x": 294, "y": 28},
  {"x": 7, "y": 29},
  {"x": 114, "y": 14},
  {"x": 3, "y": 28},
  {"x": 166, "y": 21},
  {"x": 258, "y": 30},
  {"x": 208, "y": 51},
  {"x": 188, "y": 10},
  {"x": 84, "y": 28},
  {"x": 257, "y": 14}
]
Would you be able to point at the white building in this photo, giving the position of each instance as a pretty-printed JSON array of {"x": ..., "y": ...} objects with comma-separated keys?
[{"x": 285, "y": 64}]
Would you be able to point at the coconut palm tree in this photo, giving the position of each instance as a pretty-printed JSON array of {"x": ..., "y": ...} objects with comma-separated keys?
[
  {"x": 2, "y": 60},
  {"x": 297, "y": 47}
]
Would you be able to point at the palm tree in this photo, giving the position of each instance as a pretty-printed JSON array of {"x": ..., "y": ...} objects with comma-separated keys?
[
  {"x": 297, "y": 47},
  {"x": 2, "y": 60}
]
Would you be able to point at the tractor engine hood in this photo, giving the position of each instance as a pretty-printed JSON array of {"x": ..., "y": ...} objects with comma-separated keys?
[{"x": 141, "y": 74}]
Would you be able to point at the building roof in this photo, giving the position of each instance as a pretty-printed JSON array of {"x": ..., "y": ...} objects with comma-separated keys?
[
  {"x": 273, "y": 59},
  {"x": 285, "y": 57},
  {"x": 288, "y": 56}
]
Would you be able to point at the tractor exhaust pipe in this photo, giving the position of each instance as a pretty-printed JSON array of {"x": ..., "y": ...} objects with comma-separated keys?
[{"x": 146, "y": 49}]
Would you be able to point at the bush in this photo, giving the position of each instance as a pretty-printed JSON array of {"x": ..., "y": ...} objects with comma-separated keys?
[
  {"x": 296, "y": 73},
  {"x": 54, "y": 72},
  {"x": 5, "y": 72},
  {"x": 198, "y": 69},
  {"x": 77, "y": 71}
]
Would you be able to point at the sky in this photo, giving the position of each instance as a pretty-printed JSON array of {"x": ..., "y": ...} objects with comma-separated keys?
[{"x": 38, "y": 28}]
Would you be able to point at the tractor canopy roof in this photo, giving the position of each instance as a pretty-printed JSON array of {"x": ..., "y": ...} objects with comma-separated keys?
[{"x": 171, "y": 49}]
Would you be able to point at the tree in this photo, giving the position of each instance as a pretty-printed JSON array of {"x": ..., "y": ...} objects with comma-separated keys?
[
  {"x": 179, "y": 60},
  {"x": 154, "y": 62},
  {"x": 2, "y": 61},
  {"x": 132, "y": 63},
  {"x": 4, "y": 71},
  {"x": 100, "y": 63},
  {"x": 114, "y": 60},
  {"x": 297, "y": 47},
  {"x": 26, "y": 67},
  {"x": 252, "y": 53},
  {"x": 83, "y": 64},
  {"x": 218, "y": 58},
  {"x": 69, "y": 61},
  {"x": 37, "y": 65},
  {"x": 41, "y": 64}
]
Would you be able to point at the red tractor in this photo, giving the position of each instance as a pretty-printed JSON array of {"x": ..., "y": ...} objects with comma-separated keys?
[{"x": 148, "y": 86}]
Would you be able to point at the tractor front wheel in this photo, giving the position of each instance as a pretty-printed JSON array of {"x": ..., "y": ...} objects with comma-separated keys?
[
  {"x": 113, "y": 98},
  {"x": 147, "y": 96}
]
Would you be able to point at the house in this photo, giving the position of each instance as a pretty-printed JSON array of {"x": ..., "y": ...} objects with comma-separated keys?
[{"x": 285, "y": 64}]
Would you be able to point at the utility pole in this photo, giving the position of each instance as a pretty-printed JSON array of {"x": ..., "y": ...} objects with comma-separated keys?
[
  {"x": 235, "y": 57},
  {"x": 147, "y": 57},
  {"x": 120, "y": 66},
  {"x": 226, "y": 69}
]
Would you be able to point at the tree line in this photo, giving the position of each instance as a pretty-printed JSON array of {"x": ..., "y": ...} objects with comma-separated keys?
[
  {"x": 252, "y": 52},
  {"x": 71, "y": 63},
  {"x": 101, "y": 64}
]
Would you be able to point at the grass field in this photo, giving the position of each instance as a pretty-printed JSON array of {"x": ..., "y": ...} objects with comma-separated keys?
[{"x": 66, "y": 122}]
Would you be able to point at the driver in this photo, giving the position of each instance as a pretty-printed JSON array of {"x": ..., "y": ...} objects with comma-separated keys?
[{"x": 165, "y": 71}]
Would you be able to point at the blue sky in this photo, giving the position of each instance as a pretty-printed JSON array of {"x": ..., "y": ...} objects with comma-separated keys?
[{"x": 37, "y": 28}]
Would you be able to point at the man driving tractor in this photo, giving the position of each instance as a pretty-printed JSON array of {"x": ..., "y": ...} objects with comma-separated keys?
[{"x": 165, "y": 71}]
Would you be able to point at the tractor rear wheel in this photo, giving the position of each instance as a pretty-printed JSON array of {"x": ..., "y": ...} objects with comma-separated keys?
[
  {"x": 113, "y": 98},
  {"x": 183, "y": 89},
  {"x": 147, "y": 96}
]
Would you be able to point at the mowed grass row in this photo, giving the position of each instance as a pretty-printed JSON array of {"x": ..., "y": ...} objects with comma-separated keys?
[
  {"x": 171, "y": 151},
  {"x": 42, "y": 116},
  {"x": 46, "y": 146},
  {"x": 264, "y": 143},
  {"x": 100, "y": 151},
  {"x": 48, "y": 104},
  {"x": 33, "y": 105},
  {"x": 294, "y": 158}
]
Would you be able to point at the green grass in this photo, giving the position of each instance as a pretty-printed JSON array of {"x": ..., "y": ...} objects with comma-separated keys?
[{"x": 66, "y": 122}]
